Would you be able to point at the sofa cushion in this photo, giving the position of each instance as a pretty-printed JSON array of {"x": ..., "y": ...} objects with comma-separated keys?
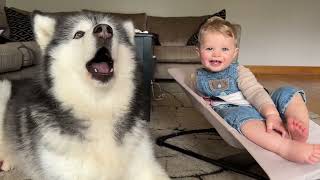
[
  {"x": 24, "y": 73},
  {"x": 174, "y": 31},
  {"x": 139, "y": 20},
  {"x": 3, "y": 19},
  {"x": 176, "y": 54},
  {"x": 193, "y": 40},
  {"x": 19, "y": 25}
]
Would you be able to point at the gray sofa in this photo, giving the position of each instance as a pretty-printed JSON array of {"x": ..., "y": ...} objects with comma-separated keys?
[
  {"x": 20, "y": 59},
  {"x": 17, "y": 59}
]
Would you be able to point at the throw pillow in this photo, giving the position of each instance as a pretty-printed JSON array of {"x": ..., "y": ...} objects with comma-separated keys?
[
  {"x": 193, "y": 40},
  {"x": 19, "y": 25}
]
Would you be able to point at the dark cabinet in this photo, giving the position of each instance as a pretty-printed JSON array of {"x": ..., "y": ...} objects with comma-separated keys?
[{"x": 144, "y": 53}]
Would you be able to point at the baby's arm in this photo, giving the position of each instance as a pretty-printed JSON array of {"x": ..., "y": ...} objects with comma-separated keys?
[{"x": 260, "y": 99}]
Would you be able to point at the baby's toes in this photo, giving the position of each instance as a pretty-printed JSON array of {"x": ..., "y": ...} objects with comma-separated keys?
[
  {"x": 5, "y": 165},
  {"x": 314, "y": 156},
  {"x": 291, "y": 122},
  {"x": 300, "y": 125},
  {"x": 313, "y": 159},
  {"x": 316, "y": 148}
]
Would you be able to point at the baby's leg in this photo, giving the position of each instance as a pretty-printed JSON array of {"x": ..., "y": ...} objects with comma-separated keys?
[
  {"x": 300, "y": 152},
  {"x": 290, "y": 103},
  {"x": 297, "y": 119}
]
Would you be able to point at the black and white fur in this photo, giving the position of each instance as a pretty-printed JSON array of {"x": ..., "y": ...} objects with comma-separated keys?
[{"x": 67, "y": 125}]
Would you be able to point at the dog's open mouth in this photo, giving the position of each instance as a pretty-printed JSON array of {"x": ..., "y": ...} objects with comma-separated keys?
[{"x": 101, "y": 66}]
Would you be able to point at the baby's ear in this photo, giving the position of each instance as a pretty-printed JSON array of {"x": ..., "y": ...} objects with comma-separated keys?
[
  {"x": 236, "y": 52},
  {"x": 198, "y": 51},
  {"x": 43, "y": 28}
]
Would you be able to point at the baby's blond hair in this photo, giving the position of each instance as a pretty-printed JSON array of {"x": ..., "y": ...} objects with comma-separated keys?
[{"x": 217, "y": 24}]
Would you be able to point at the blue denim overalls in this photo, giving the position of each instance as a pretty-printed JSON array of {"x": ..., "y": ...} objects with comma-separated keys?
[{"x": 213, "y": 84}]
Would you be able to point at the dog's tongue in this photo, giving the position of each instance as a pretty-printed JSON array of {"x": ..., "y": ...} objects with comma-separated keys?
[{"x": 101, "y": 67}]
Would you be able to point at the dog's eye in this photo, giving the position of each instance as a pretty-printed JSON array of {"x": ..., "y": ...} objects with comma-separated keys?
[{"x": 78, "y": 35}]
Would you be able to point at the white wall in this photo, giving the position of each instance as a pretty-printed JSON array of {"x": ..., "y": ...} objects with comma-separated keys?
[{"x": 274, "y": 32}]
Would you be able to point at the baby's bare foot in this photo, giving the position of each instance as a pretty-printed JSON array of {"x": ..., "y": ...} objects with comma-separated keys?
[
  {"x": 297, "y": 130},
  {"x": 301, "y": 152},
  {"x": 5, "y": 166},
  {"x": 5, "y": 161}
]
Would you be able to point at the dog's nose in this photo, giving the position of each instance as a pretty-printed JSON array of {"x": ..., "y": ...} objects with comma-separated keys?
[{"x": 103, "y": 31}]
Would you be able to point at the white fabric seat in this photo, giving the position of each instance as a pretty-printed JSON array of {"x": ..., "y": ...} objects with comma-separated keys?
[{"x": 274, "y": 166}]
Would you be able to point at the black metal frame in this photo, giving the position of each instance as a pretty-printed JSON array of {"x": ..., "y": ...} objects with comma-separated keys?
[{"x": 227, "y": 163}]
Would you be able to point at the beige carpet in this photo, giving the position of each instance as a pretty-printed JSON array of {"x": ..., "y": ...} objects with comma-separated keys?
[{"x": 172, "y": 112}]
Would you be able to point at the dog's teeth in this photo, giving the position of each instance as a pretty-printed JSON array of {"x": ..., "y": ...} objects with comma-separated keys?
[
  {"x": 95, "y": 70},
  {"x": 111, "y": 70}
]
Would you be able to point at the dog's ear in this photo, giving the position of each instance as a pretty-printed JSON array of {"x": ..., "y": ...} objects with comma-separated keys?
[
  {"x": 43, "y": 28},
  {"x": 129, "y": 27}
]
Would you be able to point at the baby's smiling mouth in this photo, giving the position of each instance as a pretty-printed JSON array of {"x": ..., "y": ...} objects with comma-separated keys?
[{"x": 215, "y": 62}]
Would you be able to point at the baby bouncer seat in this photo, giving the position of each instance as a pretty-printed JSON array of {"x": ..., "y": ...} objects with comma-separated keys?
[{"x": 275, "y": 167}]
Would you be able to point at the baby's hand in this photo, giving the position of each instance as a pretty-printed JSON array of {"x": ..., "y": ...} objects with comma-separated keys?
[
  {"x": 207, "y": 99},
  {"x": 274, "y": 122}
]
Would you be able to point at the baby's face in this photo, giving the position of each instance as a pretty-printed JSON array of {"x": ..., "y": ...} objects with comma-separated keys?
[{"x": 217, "y": 51}]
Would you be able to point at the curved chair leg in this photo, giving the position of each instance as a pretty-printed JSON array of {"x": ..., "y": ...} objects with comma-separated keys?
[{"x": 239, "y": 163}]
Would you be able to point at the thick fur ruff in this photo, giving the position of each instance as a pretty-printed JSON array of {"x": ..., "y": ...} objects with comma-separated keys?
[{"x": 82, "y": 118}]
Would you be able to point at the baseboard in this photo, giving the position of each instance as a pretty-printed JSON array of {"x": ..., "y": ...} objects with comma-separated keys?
[{"x": 285, "y": 70}]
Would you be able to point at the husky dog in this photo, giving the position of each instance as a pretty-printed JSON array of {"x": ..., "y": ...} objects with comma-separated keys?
[{"x": 82, "y": 117}]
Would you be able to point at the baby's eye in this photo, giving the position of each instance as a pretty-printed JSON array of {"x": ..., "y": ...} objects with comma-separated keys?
[
  {"x": 209, "y": 49},
  {"x": 225, "y": 49},
  {"x": 78, "y": 35}
]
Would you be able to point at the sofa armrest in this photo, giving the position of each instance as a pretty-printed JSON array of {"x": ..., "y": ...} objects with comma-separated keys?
[
  {"x": 176, "y": 54},
  {"x": 15, "y": 55},
  {"x": 10, "y": 58}
]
